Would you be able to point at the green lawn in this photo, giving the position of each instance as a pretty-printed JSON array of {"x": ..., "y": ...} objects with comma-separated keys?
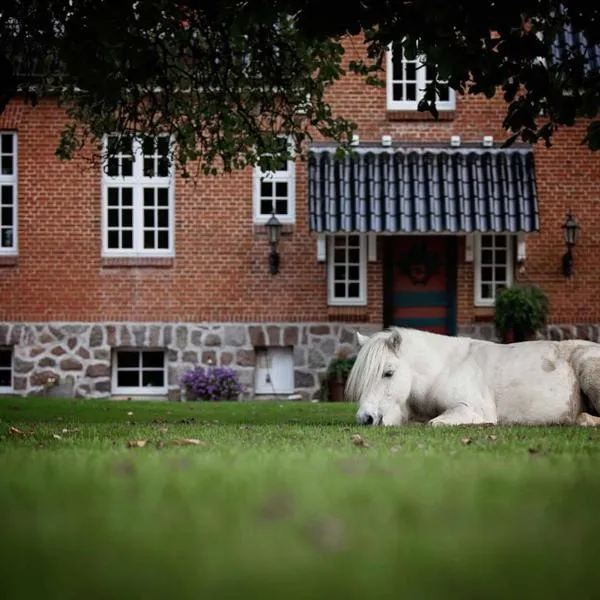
[{"x": 276, "y": 501}]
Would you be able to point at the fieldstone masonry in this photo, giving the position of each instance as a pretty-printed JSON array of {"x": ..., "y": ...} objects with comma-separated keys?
[{"x": 75, "y": 358}]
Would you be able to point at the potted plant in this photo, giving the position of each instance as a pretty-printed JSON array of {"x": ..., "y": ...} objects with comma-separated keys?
[
  {"x": 336, "y": 376},
  {"x": 520, "y": 311}
]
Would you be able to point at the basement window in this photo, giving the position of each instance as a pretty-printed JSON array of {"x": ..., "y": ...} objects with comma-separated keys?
[
  {"x": 274, "y": 373},
  {"x": 6, "y": 370},
  {"x": 139, "y": 372}
]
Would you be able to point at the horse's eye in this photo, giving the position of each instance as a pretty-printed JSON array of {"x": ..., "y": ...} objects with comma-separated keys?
[{"x": 388, "y": 373}]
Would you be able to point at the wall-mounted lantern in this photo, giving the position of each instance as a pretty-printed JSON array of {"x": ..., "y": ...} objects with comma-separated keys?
[
  {"x": 570, "y": 230},
  {"x": 273, "y": 226}
]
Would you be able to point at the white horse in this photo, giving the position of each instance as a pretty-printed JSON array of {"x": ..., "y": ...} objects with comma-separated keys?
[{"x": 403, "y": 375}]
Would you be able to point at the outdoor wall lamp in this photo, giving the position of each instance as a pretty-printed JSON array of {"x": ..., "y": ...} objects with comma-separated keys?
[
  {"x": 570, "y": 229},
  {"x": 273, "y": 226}
]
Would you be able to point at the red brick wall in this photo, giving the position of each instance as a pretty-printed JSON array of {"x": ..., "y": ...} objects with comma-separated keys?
[{"x": 220, "y": 270}]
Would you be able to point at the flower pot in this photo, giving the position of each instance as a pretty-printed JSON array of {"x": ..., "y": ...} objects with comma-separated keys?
[{"x": 335, "y": 390}]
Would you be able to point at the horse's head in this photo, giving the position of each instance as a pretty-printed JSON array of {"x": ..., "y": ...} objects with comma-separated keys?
[{"x": 380, "y": 380}]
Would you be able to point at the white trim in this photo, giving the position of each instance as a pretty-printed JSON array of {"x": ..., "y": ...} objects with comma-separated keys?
[
  {"x": 371, "y": 247},
  {"x": 420, "y": 81},
  {"x": 137, "y": 182},
  {"x": 288, "y": 176},
  {"x": 361, "y": 300},
  {"x": 321, "y": 248},
  {"x": 138, "y": 390},
  {"x": 478, "y": 300},
  {"x": 521, "y": 246},
  {"x": 12, "y": 180},
  {"x": 469, "y": 243}
]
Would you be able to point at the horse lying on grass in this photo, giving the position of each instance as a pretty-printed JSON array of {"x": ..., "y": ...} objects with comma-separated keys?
[{"x": 403, "y": 375}]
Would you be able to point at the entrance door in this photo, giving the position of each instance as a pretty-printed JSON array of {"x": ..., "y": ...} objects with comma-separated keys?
[{"x": 420, "y": 286}]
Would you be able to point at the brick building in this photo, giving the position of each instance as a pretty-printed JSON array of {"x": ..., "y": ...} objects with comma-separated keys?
[{"x": 116, "y": 283}]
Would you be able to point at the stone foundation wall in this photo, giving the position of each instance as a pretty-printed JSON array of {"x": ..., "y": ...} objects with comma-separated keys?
[
  {"x": 486, "y": 331},
  {"x": 77, "y": 356}
]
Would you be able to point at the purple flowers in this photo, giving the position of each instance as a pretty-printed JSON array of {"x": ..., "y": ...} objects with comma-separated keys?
[{"x": 213, "y": 383}]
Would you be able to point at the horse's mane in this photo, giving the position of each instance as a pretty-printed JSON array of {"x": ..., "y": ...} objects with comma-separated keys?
[{"x": 368, "y": 367}]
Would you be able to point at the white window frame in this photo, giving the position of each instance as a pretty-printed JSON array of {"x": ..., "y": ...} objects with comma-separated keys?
[
  {"x": 138, "y": 390},
  {"x": 288, "y": 176},
  {"x": 9, "y": 389},
  {"x": 10, "y": 180},
  {"x": 138, "y": 182},
  {"x": 332, "y": 300},
  {"x": 477, "y": 266},
  {"x": 412, "y": 105}
]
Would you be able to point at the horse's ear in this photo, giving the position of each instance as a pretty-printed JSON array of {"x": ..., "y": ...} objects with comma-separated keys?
[
  {"x": 361, "y": 339},
  {"x": 394, "y": 341}
]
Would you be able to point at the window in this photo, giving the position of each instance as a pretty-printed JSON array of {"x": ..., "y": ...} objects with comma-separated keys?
[
  {"x": 406, "y": 82},
  {"x": 493, "y": 266},
  {"x": 5, "y": 370},
  {"x": 274, "y": 191},
  {"x": 138, "y": 198},
  {"x": 347, "y": 270},
  {"x": 139, "y": 372},
  {"x": 8, "y": 193}
]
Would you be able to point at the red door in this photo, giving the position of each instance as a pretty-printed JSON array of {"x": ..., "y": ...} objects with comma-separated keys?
[{"x": 421, "y": 283}]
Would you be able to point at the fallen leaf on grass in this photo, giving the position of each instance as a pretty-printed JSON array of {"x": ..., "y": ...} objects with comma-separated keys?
[
  {"x": 75, "y": 430},
  {"x": 466, "y": 441},
  {"x": 492, "y": 438},
  {"x": 136, "y": 443},
  {"x": 56, "y": 436},
  {"x": 16, "y": 431},
  {"x": 189, "y": 442},
  {"x": 163, "y": 429},
  {"x": 358, "y": 440},
  {"x": 130, "y": 413}
]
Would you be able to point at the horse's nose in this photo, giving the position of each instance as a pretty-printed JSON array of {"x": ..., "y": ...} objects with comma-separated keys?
[{"x": 365, "y": 418}]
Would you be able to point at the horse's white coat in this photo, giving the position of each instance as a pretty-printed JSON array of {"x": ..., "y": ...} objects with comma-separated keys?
[{"x": 403, "y": 375}]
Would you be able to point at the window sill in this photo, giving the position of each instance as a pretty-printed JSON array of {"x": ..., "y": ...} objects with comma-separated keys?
[
  {"x": 415, "y": 115},
  {"x": 163, "y": 262},
  {"x": 9, "y": 261}
]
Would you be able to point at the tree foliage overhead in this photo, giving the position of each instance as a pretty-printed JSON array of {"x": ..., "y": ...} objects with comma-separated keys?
[{"x": 226, "y": 78}]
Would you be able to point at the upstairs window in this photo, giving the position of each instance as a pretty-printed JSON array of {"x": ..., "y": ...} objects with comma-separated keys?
[
  {"x": 274, "y": 191},
  {"x": 406, "y": 82},
  {"x": 8, "y": 193},
  {"x": 138, "y": 198}
]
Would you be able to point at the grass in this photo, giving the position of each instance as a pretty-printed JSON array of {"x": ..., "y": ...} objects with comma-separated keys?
[{"x": 278, "y": 502}]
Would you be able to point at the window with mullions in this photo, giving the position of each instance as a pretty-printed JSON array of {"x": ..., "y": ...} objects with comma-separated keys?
[
  {"x": 6, "y": 358},
  {"x": 8, "y": 193},
  {"x": 346, "y": 258},
  {"x": 407, "y": 80},
  {"x": 138, "y": 197},
  {"x": 493, "y": 266},
  {"x": 274, "y": 191},
  {"x": 139, "y": 372}
]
